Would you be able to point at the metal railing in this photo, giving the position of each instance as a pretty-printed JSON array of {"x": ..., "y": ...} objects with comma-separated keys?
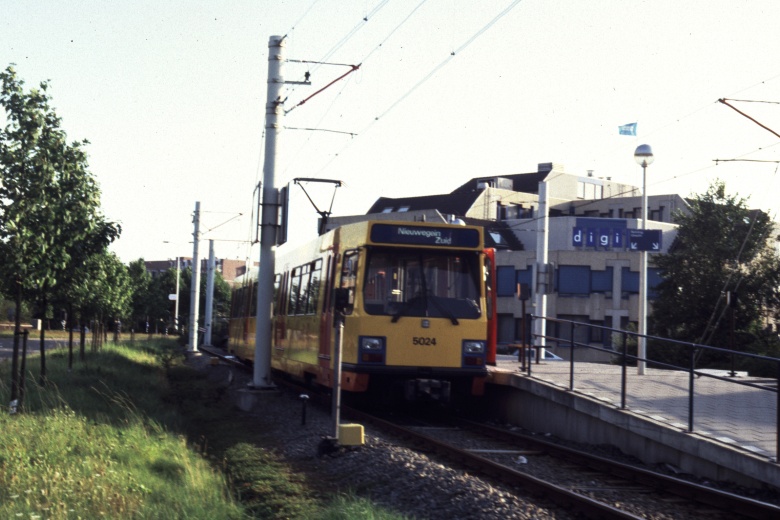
[{"x": 692, "y": 353}]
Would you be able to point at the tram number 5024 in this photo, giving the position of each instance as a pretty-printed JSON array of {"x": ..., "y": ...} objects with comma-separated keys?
[{"x": 423, "y": 341}]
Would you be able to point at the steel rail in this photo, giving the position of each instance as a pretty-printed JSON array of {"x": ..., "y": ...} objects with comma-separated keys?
[
  {"x": 580, "y": 503},
  {"x": 723, "y": 500}
]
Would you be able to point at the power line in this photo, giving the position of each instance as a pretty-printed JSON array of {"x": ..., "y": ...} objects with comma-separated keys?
[
  {"x": 446, "y": 60},
  {"x": 304, "y": 15},
  {"x": 429, "y": 75},
  {"x": 320, "y": 130},
  {"x": 723, "y": 100},
  {"x": 355, "y": 29},
  {"x": 753, "y": 101}
]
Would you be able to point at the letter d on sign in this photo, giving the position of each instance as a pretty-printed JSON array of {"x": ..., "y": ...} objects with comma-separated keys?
[{"x": 576, "y": 238}]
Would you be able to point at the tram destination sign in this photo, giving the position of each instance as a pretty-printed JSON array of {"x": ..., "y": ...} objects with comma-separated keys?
[{"x": 425, "y": 235}]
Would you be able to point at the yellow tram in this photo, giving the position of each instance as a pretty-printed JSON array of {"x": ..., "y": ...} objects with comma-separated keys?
[{"x": 418, "y": 317}]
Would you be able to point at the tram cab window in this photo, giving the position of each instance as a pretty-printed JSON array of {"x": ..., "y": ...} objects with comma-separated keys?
[{"x": 422, "y": 283}]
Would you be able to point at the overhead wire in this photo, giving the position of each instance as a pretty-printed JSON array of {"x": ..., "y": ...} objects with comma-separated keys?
[
  {"x": 366, "y": 58},
  {"x": 424, "y": 79},
  {"x": 299, "y": 20}
]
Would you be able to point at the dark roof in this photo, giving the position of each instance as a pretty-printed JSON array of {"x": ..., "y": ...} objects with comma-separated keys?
[
  {"x": 461, "y": 199},
  {"x": 522, "y": 182},
  {"x": 508, "y": 240},
  {"x": 446, "y": 204}
]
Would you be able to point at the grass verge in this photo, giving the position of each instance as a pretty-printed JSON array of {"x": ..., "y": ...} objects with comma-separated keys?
[{"x": 133, "y": 432}]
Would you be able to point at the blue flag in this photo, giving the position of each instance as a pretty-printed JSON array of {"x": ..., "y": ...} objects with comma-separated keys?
[{"x": 629, "y": 129}]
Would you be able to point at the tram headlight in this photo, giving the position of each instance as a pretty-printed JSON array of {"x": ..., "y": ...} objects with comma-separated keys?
[
  {"x": 473, "y": 347},
  {"x": 372, "y": 343},
  {"x": 372, "y": 350}
]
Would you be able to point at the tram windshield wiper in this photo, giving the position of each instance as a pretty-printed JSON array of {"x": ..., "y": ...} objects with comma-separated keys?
[{"x": 442, "y": 309}]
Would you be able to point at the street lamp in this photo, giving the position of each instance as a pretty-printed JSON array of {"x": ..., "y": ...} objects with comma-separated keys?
[{"x": 643, "y": 155}]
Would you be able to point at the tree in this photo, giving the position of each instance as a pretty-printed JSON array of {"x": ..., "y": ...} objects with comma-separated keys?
[
  {"x": 48, "y": 200},
  {"x": 105, "y": 292},
  {"x": 141, "y": 282},
  {"x": 721, "y": 247}
]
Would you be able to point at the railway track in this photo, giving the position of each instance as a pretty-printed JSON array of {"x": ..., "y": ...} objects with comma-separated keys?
[
  {"x": 605, "y": 489},
  {"x": 587, "y": 485}
]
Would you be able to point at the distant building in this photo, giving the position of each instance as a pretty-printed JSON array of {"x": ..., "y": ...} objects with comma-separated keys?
[
  {"x": 229, "y": 269},
  {"x": 595, "y": 273}
]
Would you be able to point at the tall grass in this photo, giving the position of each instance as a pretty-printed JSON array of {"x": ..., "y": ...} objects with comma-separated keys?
[
  {"x": 80, "y": 447},
  {"x": 113, "y": 438}
]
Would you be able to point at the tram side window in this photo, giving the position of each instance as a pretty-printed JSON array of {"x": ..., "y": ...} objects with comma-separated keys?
[
  {"x": 276, "y": 302},
  {"x": 304, "y": 288},
  {"x": 235, "y": 305},
  {"x": 294, "y": 293},
  {"x": 349, "y": 271},
  {"x": 312, "y": 289},
  {"x": 252, "y": 303}
]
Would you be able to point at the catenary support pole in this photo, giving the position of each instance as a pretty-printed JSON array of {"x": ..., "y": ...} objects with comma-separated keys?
[
  {"x": 195, "y": 283},
  {"x": 541, "y": 272},
  {"x": 208, "y": 319},
  {"x": 176, "y": 305},
  {"x": 265, "y": 277}
]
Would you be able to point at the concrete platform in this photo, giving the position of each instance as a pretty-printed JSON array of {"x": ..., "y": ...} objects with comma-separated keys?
[{"x": 735, "y": 427}]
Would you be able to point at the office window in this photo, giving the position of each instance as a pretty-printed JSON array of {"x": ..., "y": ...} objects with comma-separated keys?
[
  {"x": 601, "y": 281},
  {"x": 506, "y": 328},
  {"x": 629, "y": 282},
  {"x": 598, "y": 335},
  {"x": 574, "y": 280},
  {"x": 519, "y": 322},
  {"x": 525, "y": 277},
  {"x": 581, "y": 332},
  {"x": 653, "y": 279},
  {"x": 505, "y": 280}
]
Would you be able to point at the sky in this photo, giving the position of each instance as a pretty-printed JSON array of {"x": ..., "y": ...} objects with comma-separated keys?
[{"x": 171, "y": 96}]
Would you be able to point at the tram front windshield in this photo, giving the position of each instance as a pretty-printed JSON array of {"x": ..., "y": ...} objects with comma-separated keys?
[{"x": 436, "y": 284}]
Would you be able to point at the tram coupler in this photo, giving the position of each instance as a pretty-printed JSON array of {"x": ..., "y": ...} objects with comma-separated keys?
[{"x": 432, "y": 389}]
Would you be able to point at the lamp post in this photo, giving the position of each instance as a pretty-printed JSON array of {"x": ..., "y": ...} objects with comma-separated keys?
[{"x": 643, "y": 155}]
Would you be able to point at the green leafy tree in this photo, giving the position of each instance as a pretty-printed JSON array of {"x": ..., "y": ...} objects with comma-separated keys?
[
  {"x": 721, "y": 247},
  {"x": 141, "y": 301},
  {"x": 105, "y": 292},
  {"x": 48, "y": 200}
]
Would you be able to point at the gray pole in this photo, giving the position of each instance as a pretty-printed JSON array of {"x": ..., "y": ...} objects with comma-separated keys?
[
  {"x": 209, "y": 295},
  {"x": 643, "y": 155},
  {"x": 336, "y": 397},
  {"x": 641, "y": 364},
  {"x": 176, "y": 306},
  {"x": 195, "y": 283},
  {"x": 541, "y": 272},
  {"x": 265, "y": 277}
]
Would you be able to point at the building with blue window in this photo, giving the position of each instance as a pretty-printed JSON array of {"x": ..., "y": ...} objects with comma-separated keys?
[{"x": 594, "y": 231}]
